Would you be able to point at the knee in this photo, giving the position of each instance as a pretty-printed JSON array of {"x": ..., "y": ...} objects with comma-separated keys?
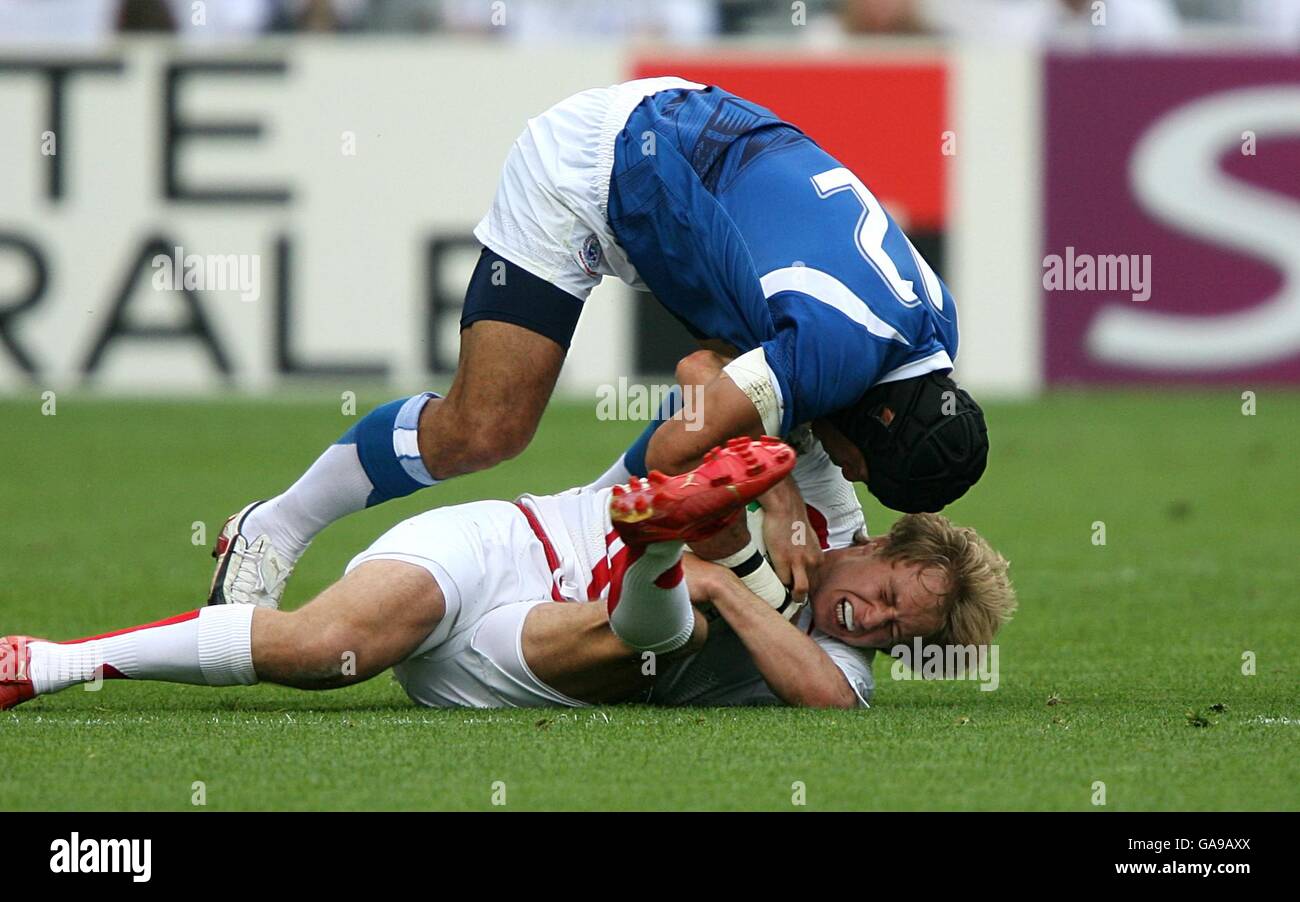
[
  {"x": 328, "y": 655},
  {"x": 490, "y": 443},
  {"x": 509, "y": 435},
  {"x": 487, "y": 437}
]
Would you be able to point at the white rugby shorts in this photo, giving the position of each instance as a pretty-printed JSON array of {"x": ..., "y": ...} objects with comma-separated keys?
[
  {"x": 550, "y": 213},
  {"x": 492, "y": 570}
]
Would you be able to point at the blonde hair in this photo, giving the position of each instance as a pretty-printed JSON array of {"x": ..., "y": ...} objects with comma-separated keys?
[{"x": 980, "y": 598}]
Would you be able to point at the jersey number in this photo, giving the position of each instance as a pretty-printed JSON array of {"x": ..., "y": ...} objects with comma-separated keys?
[{"x": 869, "y": 236}]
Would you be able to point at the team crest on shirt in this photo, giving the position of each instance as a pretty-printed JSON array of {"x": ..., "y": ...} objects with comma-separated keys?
[{"x": 589, "y": 256}]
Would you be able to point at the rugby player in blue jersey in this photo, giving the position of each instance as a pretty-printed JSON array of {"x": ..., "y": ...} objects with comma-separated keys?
[{"x": 820, "y": 320}]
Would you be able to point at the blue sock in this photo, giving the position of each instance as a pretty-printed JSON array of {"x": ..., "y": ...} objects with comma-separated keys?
[{"x": 388, "y": 449}]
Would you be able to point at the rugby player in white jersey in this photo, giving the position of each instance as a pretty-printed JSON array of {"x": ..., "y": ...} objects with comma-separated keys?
[{"x": 580, "y": 598}]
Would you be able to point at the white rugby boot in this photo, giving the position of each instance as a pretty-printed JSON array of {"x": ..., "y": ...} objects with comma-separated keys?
[{"x": 249, "y": 568}]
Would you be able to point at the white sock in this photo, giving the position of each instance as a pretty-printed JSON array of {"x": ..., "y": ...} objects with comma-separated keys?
[
  {"x": 333, "y": 487},
  {"x": 649, "y": 604},
  {"x": 616, "y": 475},
  {"x": 377, "y": 460},
  {"x": 212, "y": 646}
]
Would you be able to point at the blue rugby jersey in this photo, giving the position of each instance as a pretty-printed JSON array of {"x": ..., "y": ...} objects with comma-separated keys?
[{"x": 749, "y": 232}]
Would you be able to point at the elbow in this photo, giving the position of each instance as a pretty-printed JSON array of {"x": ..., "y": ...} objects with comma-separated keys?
[
  {"x": 699, "y": 368},
  {"x": 830, "y": 695},
  {"x": 843, "y": 701}
]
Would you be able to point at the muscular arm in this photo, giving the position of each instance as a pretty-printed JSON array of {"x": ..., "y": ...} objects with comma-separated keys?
[
  {"x": 796, "y": 669},
  {"x": 571, "y": 648},
  {"x": 724, "y": 411}
]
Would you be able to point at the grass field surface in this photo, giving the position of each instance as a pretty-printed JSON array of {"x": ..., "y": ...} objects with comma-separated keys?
[{"x": 1124, "y": 665}]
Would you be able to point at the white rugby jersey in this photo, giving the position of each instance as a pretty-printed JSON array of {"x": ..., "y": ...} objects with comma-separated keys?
[{"x": 583, "y": 549}]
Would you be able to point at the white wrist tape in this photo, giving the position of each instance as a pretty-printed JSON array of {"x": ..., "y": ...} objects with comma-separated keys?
[
  {"x": 755, "y": 378},
  {"x": 758, "y": 576}
]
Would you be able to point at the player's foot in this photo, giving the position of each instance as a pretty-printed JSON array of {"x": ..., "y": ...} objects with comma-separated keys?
[
  {"x": 249, "y": 568},
  {"x": 697, "y": 504},
  {"x": 15, "y": 682}
]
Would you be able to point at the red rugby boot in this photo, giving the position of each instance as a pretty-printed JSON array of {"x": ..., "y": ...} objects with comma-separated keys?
[
  {"x": 697, "y": 504},
  {"x": 15, "y": 682}
]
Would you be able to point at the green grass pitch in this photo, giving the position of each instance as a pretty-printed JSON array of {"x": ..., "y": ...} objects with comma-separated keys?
[{"x": 1200, "y": 505}]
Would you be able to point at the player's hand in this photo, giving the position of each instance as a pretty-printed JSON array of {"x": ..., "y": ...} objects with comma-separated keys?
[
  {"x": 703, "y": 579},
  {"x": 790, "y": 539}
]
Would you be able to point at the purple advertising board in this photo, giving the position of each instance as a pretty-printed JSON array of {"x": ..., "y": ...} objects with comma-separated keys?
[{"x": 1172, "y": 219}]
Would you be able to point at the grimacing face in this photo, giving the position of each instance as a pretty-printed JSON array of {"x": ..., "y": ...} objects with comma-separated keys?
[{"x": 867, "y": 601}]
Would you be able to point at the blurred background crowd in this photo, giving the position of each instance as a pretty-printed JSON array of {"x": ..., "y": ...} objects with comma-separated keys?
[{"x": 1127, "y": 23}]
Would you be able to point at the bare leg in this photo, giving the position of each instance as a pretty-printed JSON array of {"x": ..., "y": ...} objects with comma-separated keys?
[
  {"x": 504, "y": 378},
  {"x": 371, "y": 619},
  {"x": 571, "y": 648}
]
